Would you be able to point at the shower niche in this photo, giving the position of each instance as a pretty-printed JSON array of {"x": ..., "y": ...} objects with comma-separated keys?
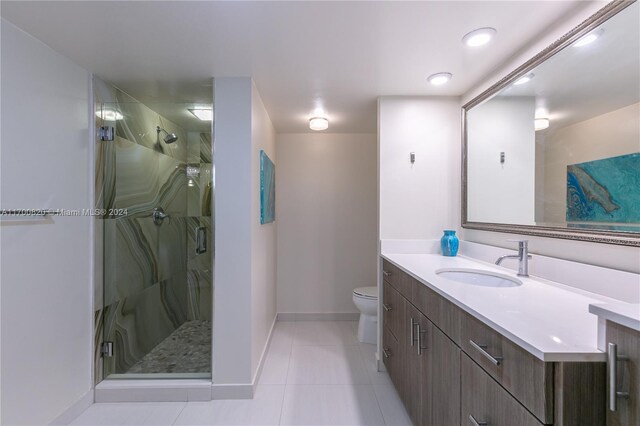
[{"x": 154, "y": 239}]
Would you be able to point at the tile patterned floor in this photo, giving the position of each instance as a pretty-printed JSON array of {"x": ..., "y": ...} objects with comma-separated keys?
[
  {"x": 315, "y": 373},
  {"x": 186, "y": 350}
]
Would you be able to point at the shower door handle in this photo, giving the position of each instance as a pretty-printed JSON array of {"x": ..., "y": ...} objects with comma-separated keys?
[{"x": 201, "y": 240}]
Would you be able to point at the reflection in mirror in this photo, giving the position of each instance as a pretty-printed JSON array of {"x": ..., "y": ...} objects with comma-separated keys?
[{"x": 560, "y": 145}]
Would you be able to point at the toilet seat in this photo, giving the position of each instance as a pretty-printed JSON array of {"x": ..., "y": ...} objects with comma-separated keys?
[{"x": 366, "y": 292}]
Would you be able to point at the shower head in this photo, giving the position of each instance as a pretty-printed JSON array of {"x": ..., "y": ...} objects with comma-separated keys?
[{"x": 170, "y": 138}]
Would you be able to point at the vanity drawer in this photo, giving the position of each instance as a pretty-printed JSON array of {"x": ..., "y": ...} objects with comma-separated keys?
[
  {"x": 393, "y": 310},
  {"x": 444, "y": 314},
  {"x": 527, "y": 378},
  {"x": 398, "y": 279},
  {"x": 392, "y": 357},
  {"x": 485, "y": 402}
]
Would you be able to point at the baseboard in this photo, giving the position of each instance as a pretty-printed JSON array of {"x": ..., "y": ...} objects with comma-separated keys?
[
  {"x": 153, "y": 390},
  {"x": 318, "y": 316},
  {"x": 263, "y": 356},
  {"x": 77, "y": 408},
  {"x": 232, "y": 391}
]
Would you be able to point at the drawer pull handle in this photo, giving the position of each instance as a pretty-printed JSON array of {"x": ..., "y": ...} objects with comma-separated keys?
[
  {"x": 387, "y": 307},
  {"x": 386, "y": 273},
  {"x": 496, "y": 360},
  {"x": 474, "y": 422},
  {"x": 612, "y": 360},
  {"x": 386, "y": 352},
  {"x": 412, "y": 327}
]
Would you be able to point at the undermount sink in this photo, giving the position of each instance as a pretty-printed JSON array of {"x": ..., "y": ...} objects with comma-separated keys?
[{"x": 478, "y": 277}]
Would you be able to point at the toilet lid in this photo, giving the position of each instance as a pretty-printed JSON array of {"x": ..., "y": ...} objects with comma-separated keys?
[{"x": 367, "y": 292}]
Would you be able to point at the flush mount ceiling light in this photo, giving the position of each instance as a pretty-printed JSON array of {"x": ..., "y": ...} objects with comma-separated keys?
[
  {"x": 540, "y": 123},
  {"x": 109, "y": 114},
  {"x": 524, "y": 79},
  {"x": 479, "y": 37},
  {"x": 318, "y": 123},
  {"x": 440, "y": 78},
  {"x": 589, "y": 38},
  {"x": 204, "y": 114}
]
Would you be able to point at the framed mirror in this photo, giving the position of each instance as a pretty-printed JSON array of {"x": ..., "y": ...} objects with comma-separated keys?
[{"x": 553, "y": 149}]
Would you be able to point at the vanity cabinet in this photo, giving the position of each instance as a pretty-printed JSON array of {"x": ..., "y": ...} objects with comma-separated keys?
[
  {"x": 623, "y": 384},
  {"x": 451, "y": 369}
]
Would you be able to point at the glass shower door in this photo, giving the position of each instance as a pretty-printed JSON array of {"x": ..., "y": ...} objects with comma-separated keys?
[{"x": 156, "y": 229}]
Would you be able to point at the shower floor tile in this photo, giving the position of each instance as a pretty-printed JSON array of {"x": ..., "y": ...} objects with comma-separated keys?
[{"x": 186, "y": 350}]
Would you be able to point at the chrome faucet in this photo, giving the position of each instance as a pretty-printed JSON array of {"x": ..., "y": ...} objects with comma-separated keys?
[{"x": 523, "y": 257}]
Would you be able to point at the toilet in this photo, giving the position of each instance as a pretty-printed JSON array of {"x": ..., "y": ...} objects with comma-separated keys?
[{"x": 366, "y": 299}]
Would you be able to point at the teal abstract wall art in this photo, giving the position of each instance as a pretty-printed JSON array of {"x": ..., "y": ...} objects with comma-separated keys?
[
  {"x": 267, "y": 189},
  {"x": 606, "y": 190}
]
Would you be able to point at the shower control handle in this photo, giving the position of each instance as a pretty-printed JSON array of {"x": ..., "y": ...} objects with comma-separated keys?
[{"x": 159, "y": 215}]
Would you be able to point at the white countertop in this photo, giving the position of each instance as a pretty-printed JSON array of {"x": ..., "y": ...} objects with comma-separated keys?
[
  {"x": 627, "y": 314},
  {"x": 549, "y": 320}
]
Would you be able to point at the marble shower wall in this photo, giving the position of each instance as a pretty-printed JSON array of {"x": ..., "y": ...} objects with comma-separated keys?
[{"x": 149, "y": 279}]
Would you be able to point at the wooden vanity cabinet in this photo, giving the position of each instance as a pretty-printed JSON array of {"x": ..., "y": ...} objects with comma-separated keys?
[
  {"x": 626, "y": 386},
  {"x": 451, "y": 369}
]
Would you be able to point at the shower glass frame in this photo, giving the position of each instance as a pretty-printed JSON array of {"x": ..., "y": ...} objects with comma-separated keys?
[{"x": 156, "y": 301}]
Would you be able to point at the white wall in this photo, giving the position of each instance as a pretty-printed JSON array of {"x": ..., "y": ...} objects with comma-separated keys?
[
  {"x": 233, "y": 225},
  {"x": 326, "y": 214},
  {"x": 502, "y": 193},
  {"x": 418, "y": 201},
  {"x": 607, "y": 135},
  {"x": 46, "y": 279},
  {"x": 263, "y": 246},
  {"x": 611, "y": 256},
  {"x": 245, "y": 263}
]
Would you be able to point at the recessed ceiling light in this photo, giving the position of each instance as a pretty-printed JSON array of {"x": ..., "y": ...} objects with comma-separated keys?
[
  {"x": 479, "y": 37},
  {"x": 440, "y": 78},
  {"x": 589, "y": 38},
  {"x": 109, "y": 114},
  {"x": 524, "y": 79},
  {"x": 204, "y": 114},
  {"x": 318, "y": 123},
  {"x": 540, "y": 123}
]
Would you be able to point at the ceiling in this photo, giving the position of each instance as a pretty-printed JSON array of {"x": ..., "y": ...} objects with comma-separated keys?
[
  {"x": 580, "y": 83},
  {"x": 337, "y": 56}
]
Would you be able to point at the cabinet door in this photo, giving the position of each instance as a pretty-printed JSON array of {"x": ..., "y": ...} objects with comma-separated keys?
[
  {"x": 485, "y": 402},
  {"x": 627, "y": 409},
  {"x": 443, "y": 386},
  {"x": 415, "y": 370}
]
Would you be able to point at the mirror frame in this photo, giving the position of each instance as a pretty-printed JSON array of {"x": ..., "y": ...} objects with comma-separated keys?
[{"x": 580, "y": 234}]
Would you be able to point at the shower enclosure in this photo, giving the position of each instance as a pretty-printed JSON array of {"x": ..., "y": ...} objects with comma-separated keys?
[{"x": 154, "y": 194}]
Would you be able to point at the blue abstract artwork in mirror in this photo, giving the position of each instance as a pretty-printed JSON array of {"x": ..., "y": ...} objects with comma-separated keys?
[
  {"x": 606, "y": 190},
  {"x": 267, "y": 189}
]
